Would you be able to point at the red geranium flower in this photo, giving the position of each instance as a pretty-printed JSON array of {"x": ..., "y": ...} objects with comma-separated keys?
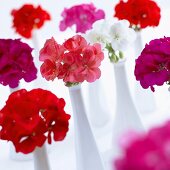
[
  {"x": 28, "y": 18},
  {"x": 30, "y": 117},
  {"x": 140, "y": 13}
]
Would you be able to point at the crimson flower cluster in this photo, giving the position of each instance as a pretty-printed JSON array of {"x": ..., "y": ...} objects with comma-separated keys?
[
  {"x": 29, "y": 118},
  {"x": 147, "y": 152},
  {"x": 140, "y": 13},
  {"x": 28, "y": 18},
  {"x": 83, "y": 16},
  {"x": 16, "y": 62},
  {"x": 153, "y": 65},
  {"x": 74, "y": 61}
]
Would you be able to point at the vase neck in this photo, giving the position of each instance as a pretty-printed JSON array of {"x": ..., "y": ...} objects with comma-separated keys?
[
  {"x": 84, "y": 139},
  {"x": 138, "y": 45},
  {"x": 41, "y": 159},
  {"x": 122, "y": 86},
  {"x": 76, "y": 97}
]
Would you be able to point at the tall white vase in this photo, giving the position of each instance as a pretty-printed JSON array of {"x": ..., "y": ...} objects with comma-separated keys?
[
  {"x": 87, "y": 153},
  {"x": 126, "y": 114},
  {"x": 99, "y": 114},
  {"x": 41, "y": 161},
  {"x": 144, "y": 99},
  {"x": 12, "y": 153}
]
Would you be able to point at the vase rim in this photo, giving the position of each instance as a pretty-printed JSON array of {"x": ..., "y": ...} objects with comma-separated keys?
[{"x": 75, "y": 87}]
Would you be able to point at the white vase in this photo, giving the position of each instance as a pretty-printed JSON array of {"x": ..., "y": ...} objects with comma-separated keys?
[
  {"x": 12, "y": 153},
  {"x": 126, "y": 114},
  {"x": 41, "y": 161},
  {"x": 40, "y": 81},
  {"x": 99, "y": 114},
  {"x": 144, "y": 99},
  {"x": 87, "y": 153}
]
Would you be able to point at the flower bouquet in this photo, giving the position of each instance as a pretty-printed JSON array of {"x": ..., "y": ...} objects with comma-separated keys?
[
  {"x": 74, "y": 62},
  {"x": 115, "y": 38},
  {"x": 141, "y": 14},
  {"x": 30, "y": 118}
]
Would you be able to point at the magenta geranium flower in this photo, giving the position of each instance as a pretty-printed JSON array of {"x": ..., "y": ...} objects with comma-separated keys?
[
  {"x": 16, "y": 62},
  {"x": 83, "y": 16},
  {"x": 153, "y": 65},
  {"x": 149, "y": 152},
  {"x": 74, "y": 61}
]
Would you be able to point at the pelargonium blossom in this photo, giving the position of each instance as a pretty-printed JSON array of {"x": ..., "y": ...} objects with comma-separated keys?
[
  {"x": 149, "y": 151},
  {"x": 29, "y": 118},
  {"x": 153, "y": 65},
  {"x": 16, "y": 62},
  {"x": 74, "y": 61},
  {"x": 140, "y": 13},
  {"x": 114, "y": 36},
  {"x": 83, "y": 16},
  {"x": 27, "y": 18}
]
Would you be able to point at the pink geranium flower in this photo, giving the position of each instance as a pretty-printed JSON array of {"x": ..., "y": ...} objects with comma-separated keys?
[
  {"x": 50, "y": 69},
  {"x": 76, "y": 60},
  {"x": 83, "y": 16},
  {"x": 52, "y": 50},
  {"x": 92, "y": 57},
  {"x": 149, "y": 151},
  {"x": 153, "y": 65}
]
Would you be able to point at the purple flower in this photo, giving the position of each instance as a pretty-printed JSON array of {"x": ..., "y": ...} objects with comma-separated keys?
[
  {"x": 153, "y": 65},
  {"x": 83, "y": 16},
  {"x": 149, "y": 152},
  {"x": 16, "y": 62}
]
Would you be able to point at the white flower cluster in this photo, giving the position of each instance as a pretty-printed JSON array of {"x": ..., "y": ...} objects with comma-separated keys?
[{"x": 113, "y": 35}]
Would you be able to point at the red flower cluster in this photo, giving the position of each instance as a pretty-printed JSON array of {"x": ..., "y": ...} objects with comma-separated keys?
[
  {"x": 140, "y": 13},
  {"x": 74, "y": 61},
  {"x": 28, "y": 18},
  {"x": 29, "y": 118}
]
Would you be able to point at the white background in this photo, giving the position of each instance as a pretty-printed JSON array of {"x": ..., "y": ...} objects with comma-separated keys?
[{"x": 62, "y": 154}]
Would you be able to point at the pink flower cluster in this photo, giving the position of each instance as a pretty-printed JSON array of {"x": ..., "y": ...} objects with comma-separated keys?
[
  {"x": 83, "y": 16},
  {"x": 153, "y": 65},
  {"x": 16, "y": 62},
  {"x": 74, "y": 61},
  {"x": 148, "y": 152}
]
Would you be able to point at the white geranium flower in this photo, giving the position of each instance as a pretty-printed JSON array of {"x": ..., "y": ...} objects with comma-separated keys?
[
  {"x": 121, "y": 35},
  {"x": 98, "y": 33}
]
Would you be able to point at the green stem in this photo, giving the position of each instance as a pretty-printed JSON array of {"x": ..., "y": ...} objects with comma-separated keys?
[
  {"x": 70, "y": 84},
  {"x": 113, "y": 56}
]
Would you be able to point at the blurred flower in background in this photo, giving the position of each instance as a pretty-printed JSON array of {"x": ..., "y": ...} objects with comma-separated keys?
[
  {"x": 16, "y": 63},
  {"x": 28, "y": 18},
  {"x": 149, "y": 151},
  {"x": 83, "y": 16},
  {"x": 140, "y": 13}
]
